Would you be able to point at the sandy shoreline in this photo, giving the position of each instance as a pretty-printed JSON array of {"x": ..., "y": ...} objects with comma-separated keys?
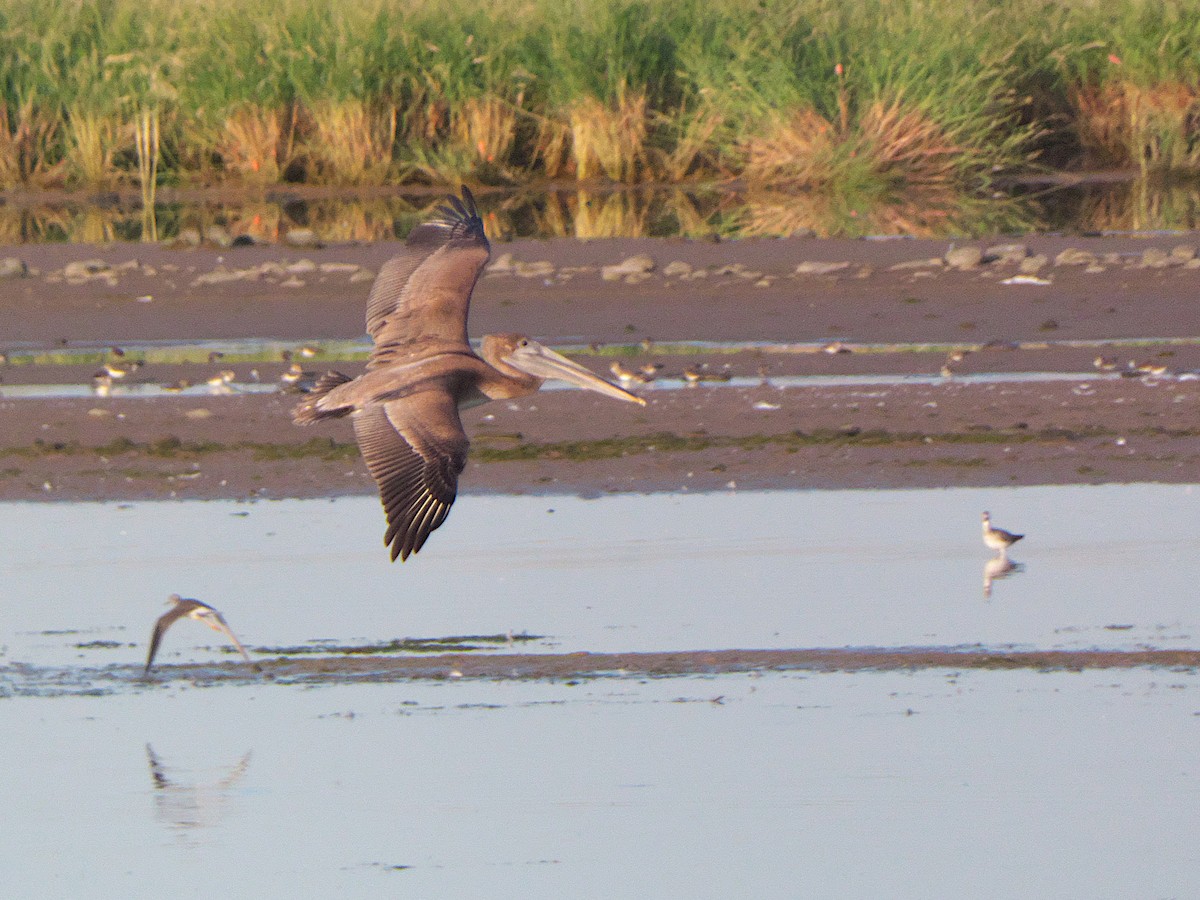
[{"x": 952, "y": 431}]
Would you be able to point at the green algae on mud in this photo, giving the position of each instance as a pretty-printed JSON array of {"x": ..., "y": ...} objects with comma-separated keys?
[
  {"x": 450, "y": 644},
  {"x": 499, "y": 448}
]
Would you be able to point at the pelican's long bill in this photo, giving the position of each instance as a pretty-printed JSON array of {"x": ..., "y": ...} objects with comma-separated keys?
[{"x": 540, "y": 361}]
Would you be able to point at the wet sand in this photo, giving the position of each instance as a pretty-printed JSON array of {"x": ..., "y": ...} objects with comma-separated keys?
[{"x": 1131, "y": 298}]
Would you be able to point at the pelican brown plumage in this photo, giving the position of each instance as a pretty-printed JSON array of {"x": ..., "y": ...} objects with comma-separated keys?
[
  {"x": 182, "y": 607},
  {"x": 422, "y": 371}
]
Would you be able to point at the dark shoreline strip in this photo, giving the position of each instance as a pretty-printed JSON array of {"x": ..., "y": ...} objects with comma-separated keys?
[{"x": 568, "y": 666}]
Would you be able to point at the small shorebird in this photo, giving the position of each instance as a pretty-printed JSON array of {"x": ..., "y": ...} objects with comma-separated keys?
[
  {"x": 192, "y": 609},
  {"x": 1151, "y": 368},
  {"x": 120, "y": 370},
  {"x": 102, "y": 384},
  {"x": 222, "y": 382},
  {"x": 954, "y": 357},
  {"x": 946, "y": 371},
  {"x": 835, "y": 347},
  {"x": 308, "y": 351},
  {"x": 997, "y": 538},
  {"x": 697, "y": 374},
  {"x": 422, "y": 371},
  {"x": 176, "y": 386},
  {"x": 296, "y": 380},
  {"x": 1104, "y": 363},
  {"x": 628, "y": 376}
]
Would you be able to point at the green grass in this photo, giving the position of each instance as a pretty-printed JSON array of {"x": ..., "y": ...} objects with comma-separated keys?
[{"x": 854, "y": 96}]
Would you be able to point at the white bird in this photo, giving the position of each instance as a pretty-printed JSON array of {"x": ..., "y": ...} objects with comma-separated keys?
[
  {"x": 182, "y": 607},
  {"x": 997, "y": 538}
]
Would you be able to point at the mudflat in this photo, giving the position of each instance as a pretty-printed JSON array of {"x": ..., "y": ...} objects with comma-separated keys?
[{"x": 773, "y": 310}]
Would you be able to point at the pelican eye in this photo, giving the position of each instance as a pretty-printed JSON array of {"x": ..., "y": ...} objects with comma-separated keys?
[{"x": 523, "y": 343}]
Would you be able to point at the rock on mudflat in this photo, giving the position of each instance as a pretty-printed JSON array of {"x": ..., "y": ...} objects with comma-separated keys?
[
  {"x": 219, "y": 235},
  {"x": 1073, "y": 256},
  {"x": 963, "y": 258},
  {"x": 813, "y": 267},
  {"x": 932, "y": 262},
  {"x": 1006, "y": 254},
  {"x": 301, "y": 237},
  {"x": 633, "y": 265},
  {"x": 82, "y": 270},
  {"x": 1154, "y": 258},
  {"x": 11, "y": 267},
  {"x": 1031, "y": 265},
  {"x": 537, "y": 269},
  {"x": 501, "y": 265}
]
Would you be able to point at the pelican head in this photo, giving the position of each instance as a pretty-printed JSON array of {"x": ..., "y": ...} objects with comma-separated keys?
[{"x": 527, "y": 356}]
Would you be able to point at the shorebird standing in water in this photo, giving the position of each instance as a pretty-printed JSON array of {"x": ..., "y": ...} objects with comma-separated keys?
[
  {"x": 192, "y": 609},
  {"x": 422, "y": 372},
  {"x": 997, "y": 538}
]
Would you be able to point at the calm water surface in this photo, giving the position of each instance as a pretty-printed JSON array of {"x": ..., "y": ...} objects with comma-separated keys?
[
  {"x": 1111, "y": 566},
  {"x": 897, "y": 784}
]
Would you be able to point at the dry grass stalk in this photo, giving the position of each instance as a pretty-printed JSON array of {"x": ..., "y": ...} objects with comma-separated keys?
[
  {"x": 1155, "y": 128},
  {"x": 145, "y": 137},
  {"x": 26, "y": 142},
  {"x": 93, "y": 140},
  {"x": 255, "y": 144},
  {"x": 551, "y": 147},
  {"x": 694, "y": 150},
  {"x": 800, "y": 150},
  {"x": 907, "y": 143},
  {"x": 351, "y": 144},
  {"x": 488, "y": 126},
  {"x": 608, "y": 141}
]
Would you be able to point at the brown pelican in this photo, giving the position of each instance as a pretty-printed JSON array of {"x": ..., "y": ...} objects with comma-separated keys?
[
  {"x": 422, "y": 371},
  {"x": 997, "y": 538},
  {"x": 201, "y": 612}
]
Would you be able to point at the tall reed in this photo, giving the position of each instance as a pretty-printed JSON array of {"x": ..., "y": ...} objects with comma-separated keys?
[{"x": 815, "y": 92}]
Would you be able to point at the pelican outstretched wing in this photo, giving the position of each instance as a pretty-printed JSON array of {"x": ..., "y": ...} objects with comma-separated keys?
[
  {"x": 422, "y": 295},
  {"x": 416, "y": 449}
]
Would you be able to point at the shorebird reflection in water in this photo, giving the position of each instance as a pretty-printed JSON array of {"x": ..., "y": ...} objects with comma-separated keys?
[
  {"x": 201, "y": 612},
  {"x": 422, "y": 371},
  {"x": 996, "y": 568}
]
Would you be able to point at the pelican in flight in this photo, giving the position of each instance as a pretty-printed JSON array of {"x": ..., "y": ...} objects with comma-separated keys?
[
  {"x": 422, "y": 372},
  {"x": 201, "y": 612}
]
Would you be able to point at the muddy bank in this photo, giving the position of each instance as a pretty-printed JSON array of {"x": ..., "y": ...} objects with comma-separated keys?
[
  {"x": 570, "y": 667},
  {"x": 1132, "y": 301},
  {"x": 1102, "y": 288}
]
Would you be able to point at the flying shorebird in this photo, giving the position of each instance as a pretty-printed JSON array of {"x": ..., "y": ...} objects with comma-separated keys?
[
  {"x": 997, "y": 538},
  {"x": 422, "y": 371},
  {"x": 193, "y": 609}
]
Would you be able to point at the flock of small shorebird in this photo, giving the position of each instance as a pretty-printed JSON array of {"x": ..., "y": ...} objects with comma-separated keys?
[
  {"x": 421, "y": 372},
  {"x": 117, "y": 369}
]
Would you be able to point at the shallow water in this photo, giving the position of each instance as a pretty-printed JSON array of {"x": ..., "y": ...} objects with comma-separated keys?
[
  {"x": 1001, "y": 784},
  {"x": 1102, "y": 205},
  {"x": 902, "y": 784},
  {"x": 147, "y": 391},
  {"x": 1109, "y": 566}
]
